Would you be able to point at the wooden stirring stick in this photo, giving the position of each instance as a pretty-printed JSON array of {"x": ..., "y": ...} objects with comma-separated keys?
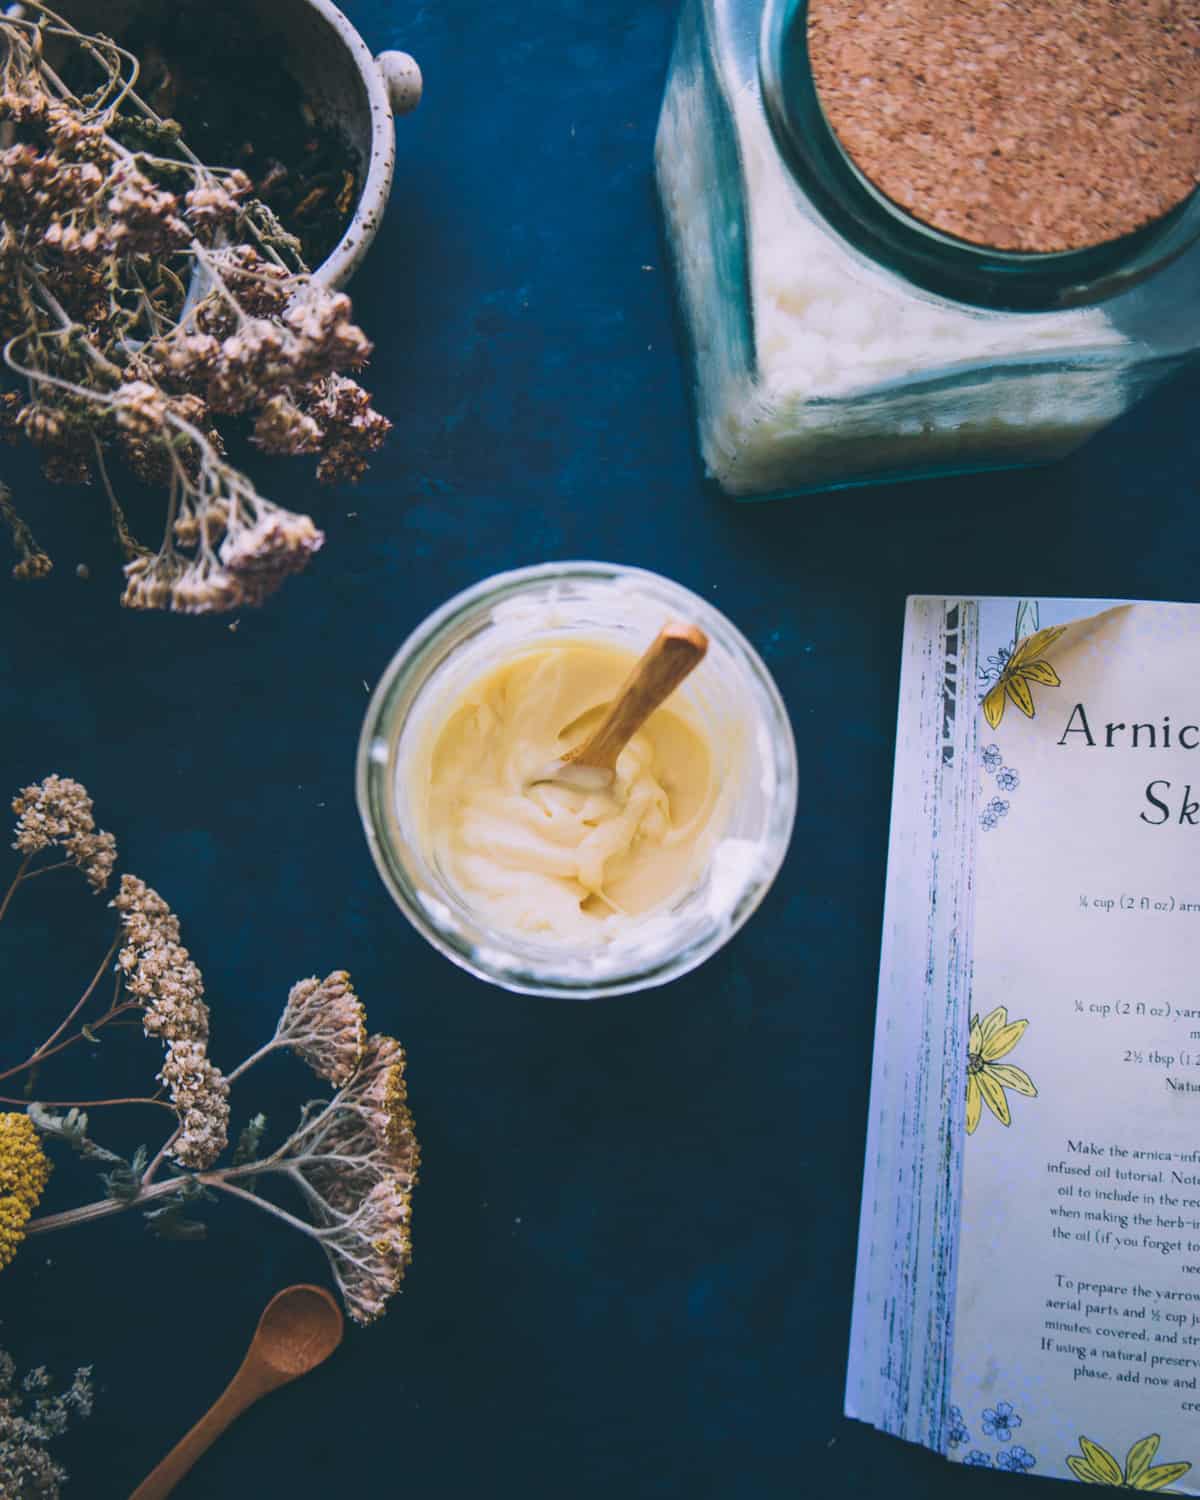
[
  {"x": 677, "y": 649},
  {"x": 299, "y": 1329}
]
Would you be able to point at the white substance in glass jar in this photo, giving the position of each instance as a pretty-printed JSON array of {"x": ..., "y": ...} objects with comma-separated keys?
[
  {"x": 817, "y": 367},
  {"x": 454, "y": 827},
  {"x": 579, "y": 866}
]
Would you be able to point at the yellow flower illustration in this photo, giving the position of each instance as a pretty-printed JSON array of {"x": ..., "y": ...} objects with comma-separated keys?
[
  {"x": 987, "y": 1077},
  {"x": 1096, "y": 1465},
  {"x": 1024, "y": 666},
  {"x": 24, "y": 1171}
]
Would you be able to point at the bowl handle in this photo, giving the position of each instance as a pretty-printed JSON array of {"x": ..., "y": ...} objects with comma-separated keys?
[{"x": 402, "y": 77}]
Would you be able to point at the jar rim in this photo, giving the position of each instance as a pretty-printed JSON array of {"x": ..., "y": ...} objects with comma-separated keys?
[
  {"x": 493, "y": 959},
  {"x": 930, "y": 258}
]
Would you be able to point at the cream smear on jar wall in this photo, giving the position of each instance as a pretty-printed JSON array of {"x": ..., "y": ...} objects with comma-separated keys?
[{"x": 553, "y": 860}]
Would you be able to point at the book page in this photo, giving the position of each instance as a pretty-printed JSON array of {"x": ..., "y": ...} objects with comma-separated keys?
[
  {"x": 905, "y": 1277},
  {"x": 1076, "y": 1340}
]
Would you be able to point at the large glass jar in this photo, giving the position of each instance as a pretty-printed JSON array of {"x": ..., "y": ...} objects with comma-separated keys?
[
  {"x": 731, "y": 697},
  {"x": 837, "y": 341}
]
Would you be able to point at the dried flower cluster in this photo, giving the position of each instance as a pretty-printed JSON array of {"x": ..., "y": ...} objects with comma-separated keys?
[
  {"x": 356, "y": 1160},
  {"x": 32, "y": 1417},
  {"x": 143, "y": 295},
  {"x": 57, "y": 814},
  {"x": 352, "y": 1159},
  {"x": 324, "y": 1023},
  {"x": 163, "y": 978}
]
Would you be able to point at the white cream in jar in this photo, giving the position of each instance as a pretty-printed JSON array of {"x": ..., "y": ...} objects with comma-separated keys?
[
  {"x": 550, "y": 860},
  {"x": 537, "y": 889}
]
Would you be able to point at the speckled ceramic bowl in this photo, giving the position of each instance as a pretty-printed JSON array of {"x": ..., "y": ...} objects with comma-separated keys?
[
  {"x": 350, "y": 89},
  {"x": 357, "y": 92}
]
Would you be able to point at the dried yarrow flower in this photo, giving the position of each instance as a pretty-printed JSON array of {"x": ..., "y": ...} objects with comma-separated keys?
[
  {"x": 143, "y": 220},
  {"x": 140, "y": 407},
  {"x": 320, "y": 321},
  {"x": 150, "y": 580},
  {"x": 31, "y": 1417},
  {"x": 213, "y": 203},
  {"x": 158, "y": 971},
  {"x": 369, "y": 1250},
  {"x": 324, "y": 1023},
  {"x": 283, "y": 428},
  {"x": 145, "y": 916},
  {"x": 358, "y": 1160},
  {"x": 353, "y": 1157},
  {"x": 352, "y": 429},
  {"x": 57, "y": 813},
  {"x": 31, "y": 562},
  {"x": 200, "y": 1096},
  {"x": 261, "y": 556},
  {"x": 141, "y": 295},
  {"x": 170, "y": 986},
  {"x": 161, "y": 977}
]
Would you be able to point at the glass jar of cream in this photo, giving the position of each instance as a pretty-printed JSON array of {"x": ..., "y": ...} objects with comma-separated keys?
[
  {"x": 836, "y": 338},
  {"x": 536, "y": 888}
]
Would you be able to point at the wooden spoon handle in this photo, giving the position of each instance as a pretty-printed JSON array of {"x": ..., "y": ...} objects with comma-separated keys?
[
  {"x": 670, "y": 657},
  {"x": 250, "y": 1382}
]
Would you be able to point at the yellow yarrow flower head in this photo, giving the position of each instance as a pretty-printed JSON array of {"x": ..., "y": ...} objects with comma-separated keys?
[
  {"x": 24, "y": 1172},
  {"x": 14, "y": 1215},
  {"x": 24, "y": 1166}
]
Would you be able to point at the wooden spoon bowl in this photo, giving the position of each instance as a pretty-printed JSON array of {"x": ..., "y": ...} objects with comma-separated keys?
[{"x": 299, "y": 1329}]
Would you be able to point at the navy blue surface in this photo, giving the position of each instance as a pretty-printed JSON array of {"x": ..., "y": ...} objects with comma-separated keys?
[{"x": 636, "y": 1228}]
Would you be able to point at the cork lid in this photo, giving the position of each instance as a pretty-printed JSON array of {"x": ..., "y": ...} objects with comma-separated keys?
[{"x": 1029, "y": 125}]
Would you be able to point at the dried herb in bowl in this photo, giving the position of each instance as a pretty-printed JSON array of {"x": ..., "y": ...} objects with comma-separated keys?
[
  {"x": 143, "y": 296},
  {"x": 218, "y": 70}
]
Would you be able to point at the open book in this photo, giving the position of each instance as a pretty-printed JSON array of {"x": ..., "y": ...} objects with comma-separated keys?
[{"x": 1028, "y": 1282}]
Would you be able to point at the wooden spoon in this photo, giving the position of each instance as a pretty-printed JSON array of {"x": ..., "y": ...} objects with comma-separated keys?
[
  {"x": 299, "y": 1329},
  {"x": 592, "y": 766}
]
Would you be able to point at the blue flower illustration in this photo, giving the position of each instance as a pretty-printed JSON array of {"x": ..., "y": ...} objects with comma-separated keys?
[
  {"x": 957, "y": 1434},
  {"x": 1007, "y": 779},
  {"x": 992, "y": 758},
  {"x": 978, "y": 1460},
  {"x": 999, "y": 1421},
  {"x": 1016, "y": 1460},
  {"x": 989, "y": 673},
  {"x": 998, "y": 806}
]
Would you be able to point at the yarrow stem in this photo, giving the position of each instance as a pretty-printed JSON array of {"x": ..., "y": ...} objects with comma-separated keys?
[
  {"x": 220, "y": 1180},
  {"x": 273, "y": 1045},
  {"x": 44, "y": 1049},
  {"x": 86, "y": 1103},
  {"x": 103, "y": 1208},
  {"x": 152, "y": 1170},
  {"x": 12, "y": 890},
  {"x": 59, "y": 864}
]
